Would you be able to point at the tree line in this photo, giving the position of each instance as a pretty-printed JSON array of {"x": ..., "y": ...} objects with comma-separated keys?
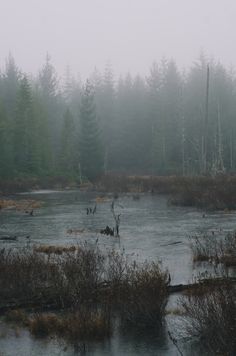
[{"x": 169, "y": 122}]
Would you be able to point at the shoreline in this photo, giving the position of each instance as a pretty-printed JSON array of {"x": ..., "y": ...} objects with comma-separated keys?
[{"x": 210, "y": 193}]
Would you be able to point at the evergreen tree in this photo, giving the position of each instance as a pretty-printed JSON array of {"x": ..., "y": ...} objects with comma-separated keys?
[
  {"x": 6, "y": 163},
  {"x": 25, "y": 130},
  {"x": 48, "y": 79},
  {"x": 68, "y": 147},
  {"x": 91, "y": 152},
  {"x": 11, "y": 78},
  {"x": 53, "y": 107},
  {"x": 106, "y": 115},
  {"x": 42, "y": 135}
]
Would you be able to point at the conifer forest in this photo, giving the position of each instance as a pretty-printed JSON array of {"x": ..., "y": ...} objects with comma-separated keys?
[{"x": 170, "y": 122}]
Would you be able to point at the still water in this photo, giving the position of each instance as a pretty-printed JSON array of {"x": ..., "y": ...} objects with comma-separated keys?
[{"x": 150, "y": 229}]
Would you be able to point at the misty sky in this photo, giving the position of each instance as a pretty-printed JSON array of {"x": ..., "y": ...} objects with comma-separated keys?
[{"x": 131, "y": 34}]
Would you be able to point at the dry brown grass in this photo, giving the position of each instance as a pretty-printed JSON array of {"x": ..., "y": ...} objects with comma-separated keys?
[
  {"x": 88, "y": 325},
  {"x": 42, "y": 325},
  {"x": 82, "y": 325},
  {"x": 21, "y": 205},
  {"x": 75, "y": 231},
  {"x": 57, "y": 250}
]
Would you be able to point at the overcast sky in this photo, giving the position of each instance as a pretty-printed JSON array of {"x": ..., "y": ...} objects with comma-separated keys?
[{"x": 131, "y": 34}]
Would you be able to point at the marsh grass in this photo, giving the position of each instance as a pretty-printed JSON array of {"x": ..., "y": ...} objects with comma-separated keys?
[
  {"x": 58, "y": 250},
  {"x": 203, "y": 248},
  {"x": 22, "y": 205},
  {"x": 214, "y": 193},
  {"x": 139, "y": 184},
  {"x": 214, "y": 249},
  {"x": 86, "y": 284},
  {"x": 210, "y": 316},
  {"x": 42, "y": 325},
  {"x": 146, "y": 296},
  {"x": 82, "y": 325}
]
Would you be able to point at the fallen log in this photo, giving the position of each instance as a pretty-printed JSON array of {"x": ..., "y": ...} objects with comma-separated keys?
[
  {"x": 8, "y": 238},
  {"x": 33, "y": 305},
  {"x": 43, "y": 304},
  {"x": 178, "y": 288}
]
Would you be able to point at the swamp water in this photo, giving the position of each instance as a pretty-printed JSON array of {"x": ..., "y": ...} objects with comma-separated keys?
[{"x": 150, "y": 229}]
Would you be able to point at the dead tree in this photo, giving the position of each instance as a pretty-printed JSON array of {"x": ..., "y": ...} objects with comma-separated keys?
[
  {"x": 116, "y": 218},
  {"x": 205, "y": 133}
]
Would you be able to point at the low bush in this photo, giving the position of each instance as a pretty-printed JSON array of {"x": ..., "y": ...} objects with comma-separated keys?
[
  {"x": 210, "y": 316},
  {"x": 215, "y": 249},
  {"x": 213, "y": 193},
  {"x": 42, "y": 325},
  {"x": 82, "y": 325},
  {"x": 16, "y": 315},
  {"x": 82, "y": 278},
  {"x": 145, "y": 295}
]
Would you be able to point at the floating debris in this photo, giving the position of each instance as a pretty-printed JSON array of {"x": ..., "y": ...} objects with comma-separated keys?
[{"x": 75, "y": 231}]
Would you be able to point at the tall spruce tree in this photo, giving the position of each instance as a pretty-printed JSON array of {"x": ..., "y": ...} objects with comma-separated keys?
[
  {"x": 48, "y": 87},
  {"x": 6, "y": 163},
  {"x": 68, "y": 150},
  {"x": 90, "y": 148},
  {"x": 11, "y": 79},
  {"x": 25, "y": 144}
]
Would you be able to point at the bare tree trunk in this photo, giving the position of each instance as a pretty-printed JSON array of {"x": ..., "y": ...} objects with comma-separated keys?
[
  {"x": 220, "y": 167},
  {"x": 205, "y": 134},
  {"x": 183, "y": 147},
  {"x": 231, "y": 150},
  {"x": 164, "y": 150},
  {"x": 116, "y": 218}
]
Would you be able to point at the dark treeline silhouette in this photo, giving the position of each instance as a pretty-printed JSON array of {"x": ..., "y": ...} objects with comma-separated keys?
[{"x": 170, "y": 122}]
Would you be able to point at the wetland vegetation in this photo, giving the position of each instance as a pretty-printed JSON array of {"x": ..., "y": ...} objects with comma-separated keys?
[{"x": 140, "y": 163}]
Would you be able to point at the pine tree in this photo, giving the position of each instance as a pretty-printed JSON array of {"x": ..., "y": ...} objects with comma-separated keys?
[{"x": 91, "y": 152}]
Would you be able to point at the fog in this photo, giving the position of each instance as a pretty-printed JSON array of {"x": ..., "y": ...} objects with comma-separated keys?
[
  {"x": 128, "y": 100},
  {"x": 130, "y": 34}
]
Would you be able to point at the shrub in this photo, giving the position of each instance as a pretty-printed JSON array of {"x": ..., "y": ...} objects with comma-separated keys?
[
  {"x": 211, "y": 316},
  {"x": 83, "y": 325},
  {"x": 145, "y": 296},
  {"x": 83, "y": 280},
  {"x": 16, "y": 315},
  {"x": 217, "y": 250}
]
